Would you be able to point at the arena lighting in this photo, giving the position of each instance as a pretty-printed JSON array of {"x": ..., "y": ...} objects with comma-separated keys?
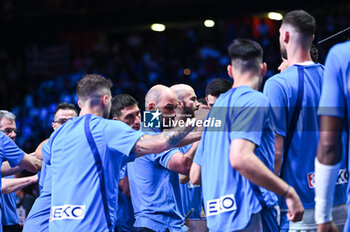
[
  {"x": 274, "y": 16},
  {"x": 209, "y": 23},
  {"x": 158, "y": 27},
  {"x": 187, "y": 71}
]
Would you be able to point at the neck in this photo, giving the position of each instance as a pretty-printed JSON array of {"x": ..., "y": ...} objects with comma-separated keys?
[
  {"x": 91, "y": 110},
  {"x": 297, "y": 54},
  {"x": 248, "y": 80}
]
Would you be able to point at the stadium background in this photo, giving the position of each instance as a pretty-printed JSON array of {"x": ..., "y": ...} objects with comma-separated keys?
[{"x": 47, "y": 45}]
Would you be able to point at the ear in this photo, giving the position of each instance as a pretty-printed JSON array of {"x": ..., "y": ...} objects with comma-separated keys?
[
  {"x": 151, "y": 106},
  {"x": 79, "y": 104},
  {"x": 263, "y": 69},
  {"x": 180, "y": 104},
  {"x": 116, "y": 118},
  {"x": 229, "y": 70},
  {"x": 286, "y": 37},
  {"x": 313, "y": 37},
  {"x": 104, "y": 99}
]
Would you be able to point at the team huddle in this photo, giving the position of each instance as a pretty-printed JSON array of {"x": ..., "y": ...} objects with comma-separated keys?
[{"x": 275, "y": 160}]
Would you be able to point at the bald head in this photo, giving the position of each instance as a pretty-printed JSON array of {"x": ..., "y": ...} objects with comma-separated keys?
[
  {"x": 157, "y": 93},
  {"x": 181, "y": 90},
  {"x": 187, "y": 99},
  {"x": 162, "y": 98}
]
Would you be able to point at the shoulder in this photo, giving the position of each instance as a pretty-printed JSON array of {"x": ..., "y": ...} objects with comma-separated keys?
[
  {"x": 339, "y": 53},
  {"x": 342, "y": 48},
  {"x": 282, "y": 78},
  {"x": 2, "y": 138},
  {"x": 251, "y": 97},
  {"x": 108, "y": 124}
]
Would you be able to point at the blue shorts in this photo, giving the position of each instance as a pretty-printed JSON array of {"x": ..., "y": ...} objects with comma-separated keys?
[
  {"x": 339, "y": 214},
  {"x": 269, "y": 219}
]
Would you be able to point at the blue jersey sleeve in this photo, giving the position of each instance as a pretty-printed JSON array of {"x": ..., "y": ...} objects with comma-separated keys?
[
  {"x": 121, "y": 137},
  {"x": 164, "y": 157},
  {"x": 277, "y": 97},
  {"x": 45, "y": 151},
  {"x": 249, "y": 122},
  {"x": 10, "y": 151},
  {"x": 332, "y": 100}
]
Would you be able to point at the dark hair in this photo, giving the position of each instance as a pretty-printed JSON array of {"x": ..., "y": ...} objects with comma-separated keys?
[
  {"x": 66, "y": 106},
  {"x": 245, "y": 54},
  {"x": 314, "y": 53},
  {"x": 302, "y": 21},
  {"x": 217, "y": 87},
  {"x": 203, "y": 101},
  {"x": 93, "y": 86},
  {"x": 119, "y": 102}
]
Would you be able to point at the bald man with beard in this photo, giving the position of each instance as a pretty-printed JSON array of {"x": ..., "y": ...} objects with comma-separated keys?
[
  {"x": 155, "y": 190},
  {"x": 191, "y": 195}
]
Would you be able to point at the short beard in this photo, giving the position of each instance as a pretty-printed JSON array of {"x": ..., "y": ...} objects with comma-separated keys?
[{"x": 284, "y": 54}]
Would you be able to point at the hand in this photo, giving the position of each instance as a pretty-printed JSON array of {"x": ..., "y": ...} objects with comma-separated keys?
[
  {"x": 35, "y": 179},
  {"x": 32, "y": 154},
  {"x": 327, "y": 227},
  {"x": 295, "y": 207}
]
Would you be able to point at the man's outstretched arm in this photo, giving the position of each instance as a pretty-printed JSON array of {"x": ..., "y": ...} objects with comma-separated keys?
[
  {"x": 7, "y": 170},
  {"x": 30, "y": 163},
  {"x": 15, "y": 184},
  {"x": 149, "y": 144}
]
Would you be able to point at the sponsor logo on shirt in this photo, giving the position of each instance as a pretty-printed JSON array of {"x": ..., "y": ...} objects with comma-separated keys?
[
  {"x": 343, "y": 178},
  {"x": 223, "y": 204},
  {"x": 75, "y": 212}
]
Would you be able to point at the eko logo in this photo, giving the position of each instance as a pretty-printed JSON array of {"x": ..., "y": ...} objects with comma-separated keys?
[
  {"x": 343, "y": 178},
  {"x": 75, "y": 212},
  {"x": 151, "y": 119},
  {"x": 223, "y": 204}
]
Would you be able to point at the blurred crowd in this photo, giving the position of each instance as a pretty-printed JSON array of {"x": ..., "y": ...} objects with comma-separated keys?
[{"x": 41, "y": 75}]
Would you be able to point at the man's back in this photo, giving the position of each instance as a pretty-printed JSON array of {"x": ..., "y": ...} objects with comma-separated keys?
[
  {"x": 229, "y": 198},
  {"x": 77, "y": 195},
  {"x": 282, "y": 91}
]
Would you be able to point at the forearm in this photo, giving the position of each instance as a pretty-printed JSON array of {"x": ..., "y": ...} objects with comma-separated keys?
[
  {"x": 195, "y": 174},
  {"x": 187, "y": 163},
  {"x": 192, "y": 151},
  {"x": 330, "y": 146},
  {"x": 192, "y": 137},
  {"x": 279, "y": 143},
  {"x": 148, "y": 144},
  {"x": 30, "y": 163},
  {"x": 327, "y": 166},
  {"x": 329, "y": 152},
  {"x": 15, "y": 184},
  {"x": 6, "y": 169}
]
